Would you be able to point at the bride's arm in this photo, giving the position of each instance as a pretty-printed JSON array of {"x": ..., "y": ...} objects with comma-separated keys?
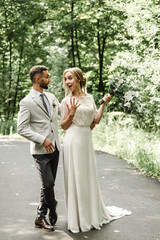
[
  {"x": 100, "y": 113},
  {"x": 66, "y": 122},
  {"x": 101, "y": 109}
]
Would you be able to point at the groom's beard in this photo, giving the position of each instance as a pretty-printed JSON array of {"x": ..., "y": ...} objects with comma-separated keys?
[{"x": 44, "y": 85}]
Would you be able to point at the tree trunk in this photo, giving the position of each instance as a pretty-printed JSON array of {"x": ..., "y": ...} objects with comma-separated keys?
[
  {"x": 3, "y": 76},
  {"x": 77, "y": 48},
  {"x": 101, "y": 56},
  {"x": 10, "y": 79},
  {"x": 7, "y": 114},
  {"x": 72, "y": 47},
  {"x": 18, "y": 79},
  {"x": 72, "y": 34}
]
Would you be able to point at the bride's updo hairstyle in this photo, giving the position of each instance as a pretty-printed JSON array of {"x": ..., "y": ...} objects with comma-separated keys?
[{"x": 78, "y": 75}]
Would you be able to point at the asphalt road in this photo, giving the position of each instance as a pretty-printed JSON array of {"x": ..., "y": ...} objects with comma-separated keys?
[{"x": 121, "y": 185}]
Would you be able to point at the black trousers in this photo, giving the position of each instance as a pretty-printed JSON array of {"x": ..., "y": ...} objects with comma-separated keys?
[{"x": 47, "y": 167}]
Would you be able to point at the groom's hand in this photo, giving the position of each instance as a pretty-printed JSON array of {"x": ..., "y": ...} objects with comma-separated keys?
[{"x": 48, "y": 145}]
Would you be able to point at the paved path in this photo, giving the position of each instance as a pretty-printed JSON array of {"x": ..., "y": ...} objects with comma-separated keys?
[{"x": 121, "y": 185}]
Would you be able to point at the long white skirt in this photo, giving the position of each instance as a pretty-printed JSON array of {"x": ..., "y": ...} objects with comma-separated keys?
[{"x": 84, "y": 203}]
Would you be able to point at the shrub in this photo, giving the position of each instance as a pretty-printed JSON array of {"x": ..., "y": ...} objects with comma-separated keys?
[{"x": 8, "y": 127}]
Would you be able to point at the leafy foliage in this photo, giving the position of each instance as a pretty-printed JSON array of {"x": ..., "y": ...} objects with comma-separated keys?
[
  {"x": 104, "y": 38},
  {"x": 117, "y": 134}
]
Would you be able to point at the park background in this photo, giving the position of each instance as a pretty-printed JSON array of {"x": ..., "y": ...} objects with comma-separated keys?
[{"x": 109, "y": 40}]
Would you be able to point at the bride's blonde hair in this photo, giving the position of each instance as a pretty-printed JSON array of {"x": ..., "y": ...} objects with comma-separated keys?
[{"x": 78, "y": 75}]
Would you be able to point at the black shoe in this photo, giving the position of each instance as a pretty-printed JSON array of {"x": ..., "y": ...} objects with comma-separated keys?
[
  {"x": 53, "y": 216},
  {"x": 42, "y": 223}
]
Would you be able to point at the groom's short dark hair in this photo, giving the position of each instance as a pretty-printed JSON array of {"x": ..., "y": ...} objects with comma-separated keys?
[{"x": 36, "y": 70}]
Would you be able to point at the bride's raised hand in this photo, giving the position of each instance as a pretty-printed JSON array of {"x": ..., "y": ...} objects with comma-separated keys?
[{"x": 74, "y": 104}]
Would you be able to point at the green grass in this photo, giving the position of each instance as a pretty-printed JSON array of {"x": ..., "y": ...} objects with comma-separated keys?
[
  {"x": 8, "y": 127},
  {"x": 118, "y": 136}
]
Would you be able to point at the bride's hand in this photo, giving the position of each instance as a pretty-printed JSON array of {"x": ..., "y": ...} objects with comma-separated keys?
[
  {"x": 74, "y": 104},
  {"x": 107, "y": 98},
  {"x": 92, "y": 125}
]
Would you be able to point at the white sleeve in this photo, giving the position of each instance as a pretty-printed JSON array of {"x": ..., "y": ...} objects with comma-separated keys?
[
  {"x": 95, "y": 109},
  {"x": 64, "y": 110}
]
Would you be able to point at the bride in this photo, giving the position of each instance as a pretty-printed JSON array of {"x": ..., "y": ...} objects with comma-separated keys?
[{"x": 85, "y": 207}]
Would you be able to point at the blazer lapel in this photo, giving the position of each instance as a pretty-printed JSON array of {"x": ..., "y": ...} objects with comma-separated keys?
[{"x": 38, "y": 101}]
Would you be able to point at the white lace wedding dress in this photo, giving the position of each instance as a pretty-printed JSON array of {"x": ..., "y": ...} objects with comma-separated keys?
[{"x": 84, "y": 203}]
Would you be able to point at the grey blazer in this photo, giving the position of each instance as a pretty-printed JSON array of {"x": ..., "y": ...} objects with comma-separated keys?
[{"x": 35, "y": 124}]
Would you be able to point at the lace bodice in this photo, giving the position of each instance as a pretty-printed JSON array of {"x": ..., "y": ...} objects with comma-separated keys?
[{"x": 85, "y": 113}]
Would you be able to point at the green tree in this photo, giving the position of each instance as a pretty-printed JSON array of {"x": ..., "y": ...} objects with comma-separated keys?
[{"x": 18, "y": 21}]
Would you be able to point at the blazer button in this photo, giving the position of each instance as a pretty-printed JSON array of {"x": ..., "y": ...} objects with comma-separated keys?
[
  {"x": 52, "y": 131},
  {"x": 51, "y": 120}
]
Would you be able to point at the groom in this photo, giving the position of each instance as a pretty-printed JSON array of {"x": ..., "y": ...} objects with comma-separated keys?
[{"x": 37, "y": 121}]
